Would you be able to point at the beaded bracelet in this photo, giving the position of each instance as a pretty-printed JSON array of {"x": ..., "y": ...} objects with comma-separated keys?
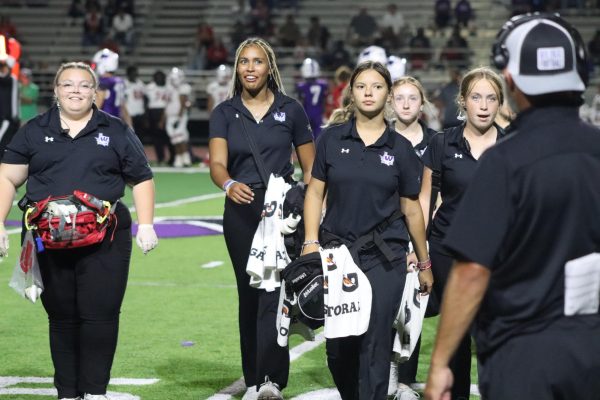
[
  {"x": 307, "y": 242},
  {"x": 424, "y": 265}
]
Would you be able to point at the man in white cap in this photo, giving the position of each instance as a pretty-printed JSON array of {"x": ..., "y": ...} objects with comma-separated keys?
[{"x": 526, "y": 236}]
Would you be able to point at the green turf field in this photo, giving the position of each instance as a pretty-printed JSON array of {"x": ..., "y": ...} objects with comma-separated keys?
[{"x": 171, "y": 299}]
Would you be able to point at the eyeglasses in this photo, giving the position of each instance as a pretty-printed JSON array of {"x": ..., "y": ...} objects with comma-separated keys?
[{"x": 70, "y": 87}]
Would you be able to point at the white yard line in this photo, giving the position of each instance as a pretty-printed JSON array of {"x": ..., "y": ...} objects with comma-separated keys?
[{"x": 238, "y": 386}]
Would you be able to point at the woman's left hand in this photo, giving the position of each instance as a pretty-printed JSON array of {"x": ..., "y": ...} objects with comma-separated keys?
[
  {"x": 426, "y": 281},
  {"x": 146, "y": 237}
]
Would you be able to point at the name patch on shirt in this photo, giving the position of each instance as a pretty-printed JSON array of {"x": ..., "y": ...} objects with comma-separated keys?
[
  {"x": 387, "y": 159},
  {"x": 102, "y": 140}
]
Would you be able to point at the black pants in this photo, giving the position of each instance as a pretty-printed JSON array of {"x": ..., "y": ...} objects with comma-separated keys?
[
  {"x": 360, "y": 365},
  {"x": 83, "y": 292},
  {"x": 261, "y": 355},
  {"x": 460, "y": 364},
  {"x": 559, "y": 362},
  {"x": 160, "y": 139}
]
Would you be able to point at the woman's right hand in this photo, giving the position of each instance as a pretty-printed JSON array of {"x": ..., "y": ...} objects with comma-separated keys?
[
  {"x": 240, "y": 193},
  {"x": 310, "y": 248}
]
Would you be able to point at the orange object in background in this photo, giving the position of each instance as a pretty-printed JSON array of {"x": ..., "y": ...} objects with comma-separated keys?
[{"x": 10, "y": 50}]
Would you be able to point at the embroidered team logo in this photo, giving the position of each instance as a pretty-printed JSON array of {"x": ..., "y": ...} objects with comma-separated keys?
[
  {"x": 279, "y": 116},
  {"x": 457, "y": 155},
  {"x": 48, "y": 139},
  {"x": 347, "y": 151},
  {"x": 102, "y": 140},
  {"x": 387, "y": 159}
]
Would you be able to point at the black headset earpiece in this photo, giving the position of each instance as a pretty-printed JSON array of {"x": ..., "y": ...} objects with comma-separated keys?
[{"x": 500, "y": 55}]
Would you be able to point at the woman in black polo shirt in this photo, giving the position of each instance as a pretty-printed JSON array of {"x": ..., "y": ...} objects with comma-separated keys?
[
  {"x": 75, "y": 146},
  {"x": 408, "y": 101},
  {"x": 257, "y": 103},
  {"x": 457, "y": 151},
  {"x": 369, "y": 172}
]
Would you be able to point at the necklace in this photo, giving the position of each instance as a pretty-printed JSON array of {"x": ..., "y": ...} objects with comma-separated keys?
[{"x": 259, "y": 112}]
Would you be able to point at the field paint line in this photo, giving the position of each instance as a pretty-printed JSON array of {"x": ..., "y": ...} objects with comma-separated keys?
[
  {"x": 6, "y": 381},
  {"x": 212, "y": 264},
  {"x": 239, "y": 386},
  {"x": 54, "y": 393},
  {"x": 321, "y": 394},
  {"x": 306, "y": 346},
  {"x": 421, "y": 387}
]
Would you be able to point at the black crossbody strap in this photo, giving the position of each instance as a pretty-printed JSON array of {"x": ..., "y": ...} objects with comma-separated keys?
[
  {"x": 436, "y": 175},
  {"x": 262, "y": 171}
]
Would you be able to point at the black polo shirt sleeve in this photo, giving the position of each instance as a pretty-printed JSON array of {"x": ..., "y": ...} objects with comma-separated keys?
[
  {"x": 411, "y": 170},
  {"x": 483, "y": 217},
  {"x": 302, "y": 131},
  {"x": 18, "y": 151},
  {"x": 319, "y": 169},
  {"x": 217, "y": 126},
  {"x": 134, "y": 164},
  {"x": 430, "y": 155}
]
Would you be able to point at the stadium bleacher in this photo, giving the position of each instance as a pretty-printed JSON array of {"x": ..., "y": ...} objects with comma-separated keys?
[{"x": 165, "y": 34}]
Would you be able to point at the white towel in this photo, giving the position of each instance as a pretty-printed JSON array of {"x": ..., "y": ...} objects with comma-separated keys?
[
  {"x": 348, "y": 294},
  {"x": 268, "y": 255},
  {"x": 409, "y": 321}
]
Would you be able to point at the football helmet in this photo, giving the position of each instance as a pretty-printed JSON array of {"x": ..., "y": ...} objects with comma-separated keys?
[
  {"x": 372, "y": 53},
  {"x": 176, "y": 76},
  {"x": 223, "y": 73},
  {"x": 105, "y": 61},
  {"x": 310, "y": 68},
  {"x": 396, "y": 66}
]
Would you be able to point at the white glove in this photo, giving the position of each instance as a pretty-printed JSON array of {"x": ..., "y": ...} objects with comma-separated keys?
[
  {"x": 3, "y": 241},
  {"x": 146, "y": 238},
  {"x": 289, "y": 224}
]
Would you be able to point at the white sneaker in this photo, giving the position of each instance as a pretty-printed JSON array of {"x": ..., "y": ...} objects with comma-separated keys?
[
  {"x": 251, "y": 393},
  {"x": 406, "y": 393},
  {"x": 393, "y": 382},
  {"x": 269, "y": 391},
  {"x": 95, "y": 397}
]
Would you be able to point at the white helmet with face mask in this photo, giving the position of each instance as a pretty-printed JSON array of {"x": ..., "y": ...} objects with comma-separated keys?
[{"x": 106, "y": 61}]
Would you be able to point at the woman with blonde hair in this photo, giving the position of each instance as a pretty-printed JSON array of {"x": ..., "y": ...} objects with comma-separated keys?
[
  {"x": 453, "y": 156},
  {"x": 257, "y": 108},
  {"x": 408, "y": 101}
]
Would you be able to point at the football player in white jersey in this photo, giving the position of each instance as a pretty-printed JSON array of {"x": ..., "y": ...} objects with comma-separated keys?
[
  {"x": 158, "y": 97},
  {"x": 177, "y": 116},
  {"x": 217, "y": 90},
  {"x": 135, "y": 101}
]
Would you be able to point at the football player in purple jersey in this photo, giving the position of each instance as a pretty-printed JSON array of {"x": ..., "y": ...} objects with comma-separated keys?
[
  {"x": 312, "y": 93},
  {"x": 110, "y": 96}
]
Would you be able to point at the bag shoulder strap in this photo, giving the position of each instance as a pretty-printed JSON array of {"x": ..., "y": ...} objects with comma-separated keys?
[
  {"x": 439, "y": 144},
  {"x": 262, "y": 171}
]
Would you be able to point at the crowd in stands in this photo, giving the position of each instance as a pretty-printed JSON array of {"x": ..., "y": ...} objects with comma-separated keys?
[{"x": 110, "y": 25}]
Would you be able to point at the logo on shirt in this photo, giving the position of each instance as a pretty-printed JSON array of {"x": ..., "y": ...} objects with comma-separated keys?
[
  {"x": 279, "y": 116},
  {"x": 347, "y": 151},
  {"x": 387, "y": 159},
  {"x": 102, "y": 140},
  {"x": 457, "y": 155},
  {"x": 48, "y": 139}
]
